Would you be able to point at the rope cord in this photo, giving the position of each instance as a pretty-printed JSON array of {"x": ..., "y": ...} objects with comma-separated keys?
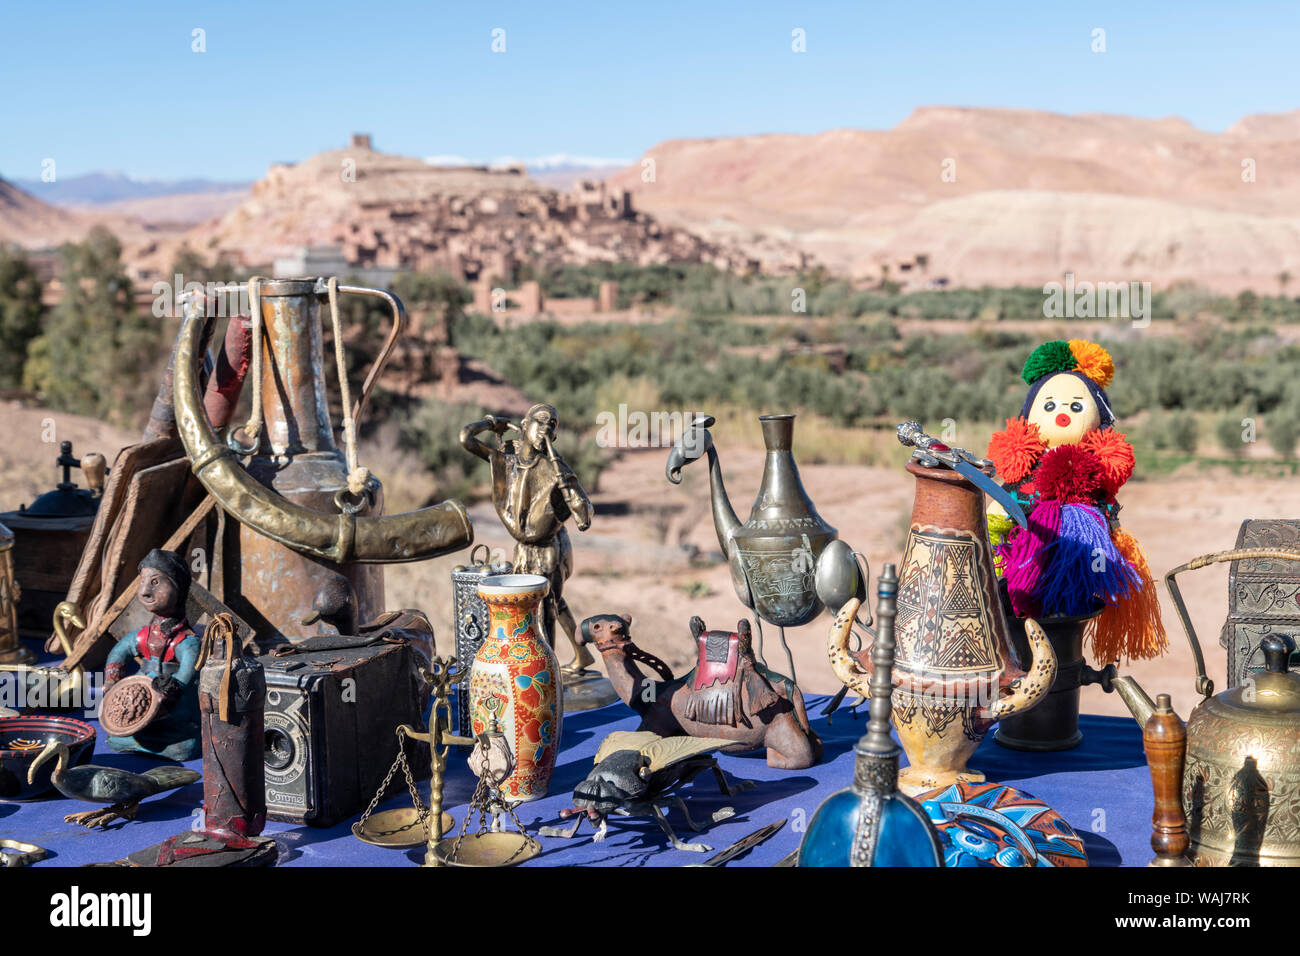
[
  {"x": 358, "y": 476},
  {"x": 253, "y": 428}
]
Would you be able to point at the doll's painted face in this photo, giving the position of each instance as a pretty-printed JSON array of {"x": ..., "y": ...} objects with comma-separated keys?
[
  {"x": 1064, "y": 410},
  {"x": 158, "y": 594}
]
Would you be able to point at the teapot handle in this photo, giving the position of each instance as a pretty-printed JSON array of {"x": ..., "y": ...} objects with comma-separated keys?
[
  {"x": 1034, "y": 684},
  {"x": 850, "y": 673},
  {"x": 1205, "y": 686},
  {"x": 1164, "y": 739}
]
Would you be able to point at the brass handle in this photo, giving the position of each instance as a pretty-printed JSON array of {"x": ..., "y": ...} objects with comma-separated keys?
[
  {"x": 1205, "y": 686},
  {"x": 849, "y": 672},
  {"x": 381, "y": 360}
]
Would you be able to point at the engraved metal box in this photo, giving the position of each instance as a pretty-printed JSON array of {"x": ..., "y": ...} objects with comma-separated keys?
[{"x": 470, "y": 617}]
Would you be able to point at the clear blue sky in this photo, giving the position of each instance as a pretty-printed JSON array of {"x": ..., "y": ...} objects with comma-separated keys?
[{"x": 115, "y": 86}]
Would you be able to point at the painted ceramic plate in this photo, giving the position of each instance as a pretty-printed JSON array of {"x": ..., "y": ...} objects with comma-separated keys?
[
  {"x": 130, "y": 705},
  {"x": 989, "y": 824}
]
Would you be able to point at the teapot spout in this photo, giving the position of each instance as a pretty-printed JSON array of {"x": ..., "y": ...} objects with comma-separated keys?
[
  {"x": 725, "y": 521},
  {"x": 695, "y": 440},
  {"x": 1134, "y": 697}
]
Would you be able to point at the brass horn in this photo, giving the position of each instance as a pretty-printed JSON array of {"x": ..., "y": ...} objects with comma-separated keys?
[{"x": 368, "y": 539}]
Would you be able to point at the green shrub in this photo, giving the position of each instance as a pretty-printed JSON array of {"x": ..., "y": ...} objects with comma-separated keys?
[
  {"x": 98, "y": 354},
  {"x": 1282, "y": 429},
  {"x": 1228, "y": 431},
  {"x": 20, "y": 314},
  {"x": 1182, "y": 430}
]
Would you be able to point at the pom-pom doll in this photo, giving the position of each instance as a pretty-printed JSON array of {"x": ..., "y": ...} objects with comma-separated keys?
[{"x": 1065, "y": 463}]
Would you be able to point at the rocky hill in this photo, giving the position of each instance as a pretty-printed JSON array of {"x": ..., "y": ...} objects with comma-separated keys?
[
  {"x": 28, "y": 222},
  {"x": 1003, "y": 196},
  {"x": 34, "y": 224},
  {"x": 394, "y": 212}
]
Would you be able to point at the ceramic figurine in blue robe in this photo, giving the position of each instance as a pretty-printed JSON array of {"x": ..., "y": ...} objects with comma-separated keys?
[
  {"x": 872, "y": 823},
  {"x": 168, "y": 651}
]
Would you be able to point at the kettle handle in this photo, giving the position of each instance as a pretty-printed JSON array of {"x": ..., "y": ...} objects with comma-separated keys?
[{"x": 1205, "y": 686}]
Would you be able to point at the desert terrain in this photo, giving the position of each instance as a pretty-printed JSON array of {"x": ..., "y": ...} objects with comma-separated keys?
[
  {"x": 954, "y": 196},
  {"x": 1001, "y": 196}
]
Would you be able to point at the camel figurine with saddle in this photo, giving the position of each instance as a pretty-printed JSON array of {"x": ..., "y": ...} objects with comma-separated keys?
[{"x": 728, "y": 694}]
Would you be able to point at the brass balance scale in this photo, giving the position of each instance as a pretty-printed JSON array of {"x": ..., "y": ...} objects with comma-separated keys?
[{"x": 405, "y": 827}]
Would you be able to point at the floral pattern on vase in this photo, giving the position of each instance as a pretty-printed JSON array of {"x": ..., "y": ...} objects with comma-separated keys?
[{"x": 513, "y": 678}]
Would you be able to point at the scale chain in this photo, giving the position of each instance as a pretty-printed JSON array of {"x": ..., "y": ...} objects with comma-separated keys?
[{"x": 421, "y": 811}]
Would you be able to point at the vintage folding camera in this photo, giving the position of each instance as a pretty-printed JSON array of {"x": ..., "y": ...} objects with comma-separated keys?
[{"x": 331, "y": 721}]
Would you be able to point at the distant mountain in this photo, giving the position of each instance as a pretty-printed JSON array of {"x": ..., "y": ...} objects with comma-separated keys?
[
  {"x": 1002, "y": 196},
  {"x": 98, "y": 189},
  {"x": 564, "y": 175},
  {"x": 28, "y": 222}
]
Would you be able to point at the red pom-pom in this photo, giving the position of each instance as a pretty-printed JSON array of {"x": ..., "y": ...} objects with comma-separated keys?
[
  {"x": 1069, "y": 474},
  {"x": 1014, "y": 452},
  {"x": 1115, "y": 455}
]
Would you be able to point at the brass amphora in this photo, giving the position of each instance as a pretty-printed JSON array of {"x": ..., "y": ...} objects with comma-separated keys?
[{"x": 955, "y": 672}]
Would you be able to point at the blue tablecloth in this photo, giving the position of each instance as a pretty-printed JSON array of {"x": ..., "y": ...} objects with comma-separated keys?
[{"x": 1102, "y": 788}]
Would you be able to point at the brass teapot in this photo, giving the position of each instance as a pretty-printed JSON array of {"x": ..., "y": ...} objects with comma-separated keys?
[
  {"x": 786, "y": 560},
  {"x": 1241, "y": 773}
]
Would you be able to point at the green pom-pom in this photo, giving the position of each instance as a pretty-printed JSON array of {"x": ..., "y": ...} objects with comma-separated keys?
[{"x": 1048, "y": 358}]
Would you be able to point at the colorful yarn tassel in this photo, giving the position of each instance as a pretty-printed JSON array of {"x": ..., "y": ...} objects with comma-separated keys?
[
  {"x": 1083, "y": 568},
  {"x": 999, "y": 527},
  {"x": 1021, "y": 556},
  {"x": 1131, "y": 629},
  {"x": 1065, "y": 564}
]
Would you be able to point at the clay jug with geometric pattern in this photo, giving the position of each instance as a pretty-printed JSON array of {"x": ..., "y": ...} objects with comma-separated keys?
[{"x": 955, "y": 671}]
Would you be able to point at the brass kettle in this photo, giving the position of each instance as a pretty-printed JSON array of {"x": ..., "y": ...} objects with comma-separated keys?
[
  {"x": 1241, "y": 775},
  {"x": 1241, "y": 778},
  {"x": 308, "y": 514}
]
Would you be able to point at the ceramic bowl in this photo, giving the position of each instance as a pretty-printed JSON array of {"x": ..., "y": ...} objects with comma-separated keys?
[{"x": 21, "y": 741}]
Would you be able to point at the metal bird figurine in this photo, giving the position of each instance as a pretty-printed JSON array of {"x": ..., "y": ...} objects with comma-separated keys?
[
  {"x": 121, "y": 789},
  {"x": 636, "y": 773}
]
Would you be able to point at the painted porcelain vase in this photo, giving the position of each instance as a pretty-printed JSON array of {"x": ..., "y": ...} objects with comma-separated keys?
[{"x": 513, "y": 678}]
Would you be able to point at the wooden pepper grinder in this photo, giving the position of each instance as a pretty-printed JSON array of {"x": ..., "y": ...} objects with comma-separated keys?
[{"x": 1164, "y": 738}]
